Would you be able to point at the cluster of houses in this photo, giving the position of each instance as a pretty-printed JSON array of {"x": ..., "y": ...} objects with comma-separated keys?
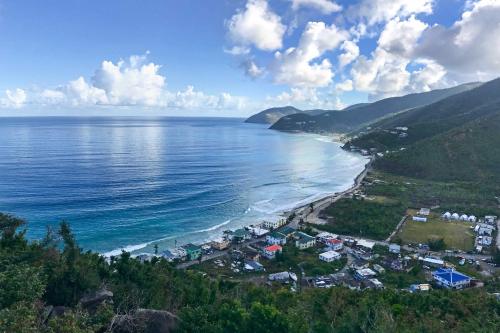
[{"x": 484, "y": 232}]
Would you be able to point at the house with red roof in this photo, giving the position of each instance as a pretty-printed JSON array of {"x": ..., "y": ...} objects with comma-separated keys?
[{"x": 271, "y": 251}]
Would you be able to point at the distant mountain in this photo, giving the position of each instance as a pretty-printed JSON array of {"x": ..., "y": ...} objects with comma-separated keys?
[
  {"x": 272, "y": 115},
  {"x": 457, "y": 138},
  {"x": 359, "y": 115}
]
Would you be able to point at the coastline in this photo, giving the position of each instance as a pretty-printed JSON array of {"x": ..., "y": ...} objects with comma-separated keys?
[{"x": 300, "y": 211}]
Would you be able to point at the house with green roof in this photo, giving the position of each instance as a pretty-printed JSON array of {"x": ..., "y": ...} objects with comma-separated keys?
[
  {"x": 193, "y": 251},
  {"x": 303, "y": 240},
  {"x": 276, "y": 238}
]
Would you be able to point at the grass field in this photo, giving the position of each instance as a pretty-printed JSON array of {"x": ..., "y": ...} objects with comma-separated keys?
[{"x": 457, "y": 235}]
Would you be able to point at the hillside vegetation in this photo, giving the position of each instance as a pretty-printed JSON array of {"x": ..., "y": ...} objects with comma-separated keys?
[
  {"x": 56, "y": 272},
  {"x": 351, "y": 119}
]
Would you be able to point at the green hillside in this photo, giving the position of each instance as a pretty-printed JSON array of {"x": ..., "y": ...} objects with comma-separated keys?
[
  {"x": 351, "y": 119},
  {"x": 468, "y": 152}
]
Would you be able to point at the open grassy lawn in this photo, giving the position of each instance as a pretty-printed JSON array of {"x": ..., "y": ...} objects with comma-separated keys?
[{"x": 457, "y": 235}]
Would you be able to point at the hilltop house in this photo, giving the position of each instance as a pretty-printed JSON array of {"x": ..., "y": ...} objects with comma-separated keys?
[
  {"x": 424, "y": 211},
  {"x": 324, "y": 236},
  {"x": 364, "y": 273},
  {"x": 193, "y": 252},
  {"x": 449, "y": 278},
  {"x": 276, "y": 238},
  {"x": 287, "y": 231},
  {"x": 303, "y": 240},
  {"x": 271, "y": 251}
]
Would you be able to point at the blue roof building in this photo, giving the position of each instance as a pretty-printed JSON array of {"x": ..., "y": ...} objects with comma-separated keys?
[{"x": 450, "y": 278}]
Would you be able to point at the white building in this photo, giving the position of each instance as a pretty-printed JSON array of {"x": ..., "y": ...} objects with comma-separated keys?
[
  {"x": 276, "y": 238},
  {"x": 447, "y": 216},
  {"x": 329, "y": 256},
  {"x": 364, "y": 273},
  {"x": 464, "y": 217},
  {"x": 424, "y": 211},
  {"x": 324, "y": 236},
  {"x": 455, "y": 216},
  {"x": 365, "y": 244},
  {"x": 419, "y": 219},
  {"x": 394, "y": 248},
  {"x": 273, "y": 224}
]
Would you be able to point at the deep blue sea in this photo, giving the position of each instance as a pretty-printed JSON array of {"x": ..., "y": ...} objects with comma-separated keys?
[{"x": 133, "y": 182}]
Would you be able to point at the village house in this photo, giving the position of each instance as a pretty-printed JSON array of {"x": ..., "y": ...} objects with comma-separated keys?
[
  {"x": 271, "y": 225},
  {"x": 271, "y": 251},
  {"x": 276, "y": 238},
  {"x": 193, "y": 251},
  {"x": 324, "y": 236},
  {"x": 433, "y": 262},
  {"x": 253, "y": 266},
  {"x": 364, "y": 244},
  {"x": 449, "y": 278},
  {"x": 365, "y": 273},
  {"x": 329, "y": 256},
  {"x": 424, "y": 211},
  {"x": 334, "y": 244},
  {"x": 373, "y": 283},
  {"x": 359, "y": 264},
  {"x": 283, "y": 277},
  {"x": 238, "y": 235},
  {"x": 258, "y": 231},
  {"x": 250, "y": 254},
  {"x": 287, "y": 231},
  {"x": 220, "y": 244},
  {"x": 303, "y": 240},
  {"x": 379, "y": 269},
  {"x": 394, "y": 248}
]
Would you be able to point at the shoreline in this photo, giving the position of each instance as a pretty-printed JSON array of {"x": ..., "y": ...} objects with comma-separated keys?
[{"x": 299, "y": 211}]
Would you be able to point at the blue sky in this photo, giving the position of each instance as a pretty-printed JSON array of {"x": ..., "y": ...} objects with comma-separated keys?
[{"x": 221, "y": 57}]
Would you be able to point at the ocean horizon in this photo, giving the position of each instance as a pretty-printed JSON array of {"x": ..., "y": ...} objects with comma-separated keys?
[{"x": 133, "y": 182}]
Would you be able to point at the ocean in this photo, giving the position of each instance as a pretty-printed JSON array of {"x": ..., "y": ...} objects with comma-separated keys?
[{"x": 131, "y": 183}]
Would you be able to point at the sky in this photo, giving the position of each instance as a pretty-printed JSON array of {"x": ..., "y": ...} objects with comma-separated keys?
[{"x": 236, "y": 57}]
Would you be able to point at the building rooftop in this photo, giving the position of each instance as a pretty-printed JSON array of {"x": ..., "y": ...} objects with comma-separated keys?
[
  {"x": 277, "y": 235},
  {"x": 192, "y": 247},
  {"x": 451, "y": 275},
  {"x": 273, "y": 248}
]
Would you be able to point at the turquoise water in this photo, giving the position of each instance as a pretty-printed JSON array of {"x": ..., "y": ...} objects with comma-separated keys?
[{"x": 133, "y": 182}]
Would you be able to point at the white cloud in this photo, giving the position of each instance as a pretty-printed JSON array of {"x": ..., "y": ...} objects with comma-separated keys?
[
  {"x": 305, "y": 98},
  {"x": 237, "y": 50},
  {"x": 13, "y": 98},
  {"x": 470, "y": 47},
  {"x": 380, "y": 11},
  {"x": 131, "y": 83},
  {"x": 297, "y": 66},
  {"x": 344, "y": 86},
  {"x": 400, "y": 37},
  {"x": 257, "y": 25},
  {"x": 192, "y": 99},
  {"x": 351, "y": 53},
  {"x": 385, "y": 73},
  {"x": 252, "y": 70},
  {"x": 325, "y": 6}
]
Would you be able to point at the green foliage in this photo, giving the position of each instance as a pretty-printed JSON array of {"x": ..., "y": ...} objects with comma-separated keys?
[
  {"x": 436, "y": 244},
  {"x": 363, "y": 217},
  {"x": 29, "y": 274}
]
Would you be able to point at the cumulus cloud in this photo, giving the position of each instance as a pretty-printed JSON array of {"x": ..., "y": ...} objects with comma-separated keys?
[
  {"x": 386, "y": 71},
  {"x": 13, "y": 98},
  {"x": 324, "y": 6},
  {"x": 302, "y": 66},
  {"x": 351, "y": 52},
  {"x": 257, "y": 25},
  {"x": 306, "y": 98},
  {"x": 126, "y": 83},
  {"x": 380, "y": 11},
  {"x": 469, "y": 48},
  {"x": 252, "y": 70},
  {"x": 344, "y": 86}
]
